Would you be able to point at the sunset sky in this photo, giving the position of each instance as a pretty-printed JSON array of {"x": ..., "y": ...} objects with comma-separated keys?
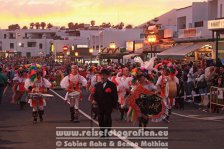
[{"x": 60, "y": 12}]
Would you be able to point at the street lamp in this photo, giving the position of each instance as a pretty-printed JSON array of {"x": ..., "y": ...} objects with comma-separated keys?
[
  {"x": 91, "y": 54},
  {"x": 76, "y": 54},
  {"x": 151, "y": 39},
  {"x": 19, "y": 50},
  {"x": 112, "y": 45}
]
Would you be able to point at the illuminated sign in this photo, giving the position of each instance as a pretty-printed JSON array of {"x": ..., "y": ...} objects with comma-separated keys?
[
  {"x": 216, "y": 24},
  {"x": 82, "y": 46}
]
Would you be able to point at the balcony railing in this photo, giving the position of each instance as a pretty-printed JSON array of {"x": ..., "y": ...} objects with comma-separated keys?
[{"x": 194, "y": 32}]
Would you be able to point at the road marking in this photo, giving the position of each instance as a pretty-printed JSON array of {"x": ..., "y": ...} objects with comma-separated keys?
[
  {"x": 193, "y": 115},
  {"x": 199, "y": 118},
  {"x": 86, "y": 115},
  {"x": 215, "y": 117}
]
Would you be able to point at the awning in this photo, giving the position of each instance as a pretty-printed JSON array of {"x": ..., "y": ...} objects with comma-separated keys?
[{"x": 180, "y": 51}]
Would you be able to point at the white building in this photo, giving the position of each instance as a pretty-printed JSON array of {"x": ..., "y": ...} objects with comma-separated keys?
[
  {"x": 216, "y": 25},
  {"x": 37, "y": 42},
  {"x": 192, "y": 22}
]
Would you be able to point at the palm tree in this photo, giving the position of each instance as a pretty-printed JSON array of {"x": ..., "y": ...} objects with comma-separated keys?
[
  {"x": 103, "y": 25},
  {"x": 25, "y": 27},
  {"x": 62, "y": 28},
  {"x": 43, "y": 25},
  {"x": 49, "y": 25},
  {"x": 71, "y": 25},
  {"x": 108, "y": 25},
  {"x": 81, "y": 25},
  {"x": 93, "y": 23},
  {"x": 129, "y": 26},
  {"x": 37, "y": 24},
  {"x": 16, "y": 26},
  {"x": 31, "y": 25},
  {"x": 76, "y": 26},
  {"x": 13, "y": 27},
  {"x": 121, "y": 25}
]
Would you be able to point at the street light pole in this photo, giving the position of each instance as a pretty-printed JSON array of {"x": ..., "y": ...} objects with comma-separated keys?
[{"x": 151, "y": 39}]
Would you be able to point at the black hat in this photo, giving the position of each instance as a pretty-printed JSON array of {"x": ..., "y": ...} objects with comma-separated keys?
[{"x": 105, "y": 71}]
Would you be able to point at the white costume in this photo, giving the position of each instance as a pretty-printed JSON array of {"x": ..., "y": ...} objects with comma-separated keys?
[
  {"x": 39, "y": 86},
  {"x": 72, "y": 85},
  {"x": 124, "y": 84},
  {"x": 36, "y": 101}
]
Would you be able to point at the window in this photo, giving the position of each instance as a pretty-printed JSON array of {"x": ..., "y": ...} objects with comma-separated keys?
[
  {"x": 198, "y": 24},
  {"x": 40, "y": 45},
  {"x": 11, "y": 45},
  {"x": 31, "y": 44},
  {"x": 4, "y": 36},
  {"x": 21, "y": 44},
  {"x": 11, "y": 36}
]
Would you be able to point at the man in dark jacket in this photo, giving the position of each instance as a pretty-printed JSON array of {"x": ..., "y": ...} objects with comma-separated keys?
[{"x": 106, "y": 97}]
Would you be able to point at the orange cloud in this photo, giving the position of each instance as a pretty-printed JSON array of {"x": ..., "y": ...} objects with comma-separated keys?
[{"x": 60, "y": 12}]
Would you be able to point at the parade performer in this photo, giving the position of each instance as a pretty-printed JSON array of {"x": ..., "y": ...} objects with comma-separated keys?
[
  {"x": 72, "y": 85},
  {"x": 167, "y": 76},
  {"x": 147, "y": 84},
  {"x": 144, "y": 103},
  {"x": 124, "y": 81},
  {"x": 19, "y": 82},
  {"x": 36, "y": 84},
  {"x": 106, "y": 97}
]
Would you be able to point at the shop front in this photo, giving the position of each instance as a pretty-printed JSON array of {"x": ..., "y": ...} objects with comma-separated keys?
[{"x": 189, "y": 51}]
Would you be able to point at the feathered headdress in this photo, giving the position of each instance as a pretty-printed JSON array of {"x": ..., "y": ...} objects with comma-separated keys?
[{"x": 32, "y": 69}]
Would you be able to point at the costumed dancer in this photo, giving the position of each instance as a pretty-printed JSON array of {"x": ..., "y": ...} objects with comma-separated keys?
[
  {"x": 124, "y": 81},
  {"x": 144, "y": 80},
  {"x": 19, "y": 82},
  {"x": 72, "y": 85},
  {"x": 167, "y": 77},
  {"x": 36, "y": 84}
]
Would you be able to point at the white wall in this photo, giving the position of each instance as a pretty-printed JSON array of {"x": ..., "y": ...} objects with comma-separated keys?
[
  {"x": 185, "y": 12},
  {"x": 199, "y": 11},
  {"x": 120, "y": 36},
  {"x": 220, "y": 11},
  {"x": 93, "y": 38},
  {"x": 212, "y": 8}
]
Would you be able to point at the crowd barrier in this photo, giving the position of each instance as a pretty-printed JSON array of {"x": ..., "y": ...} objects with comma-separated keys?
[{"x": 216, "y": 97}]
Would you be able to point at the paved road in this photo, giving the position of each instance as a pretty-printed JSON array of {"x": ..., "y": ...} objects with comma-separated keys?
[{"x": 188, "y": 129}]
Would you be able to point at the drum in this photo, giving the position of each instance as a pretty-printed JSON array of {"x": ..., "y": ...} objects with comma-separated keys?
[
  {"x": 34, "y": 96},
  {"x": 74, "y": 98},
  {"x": 36, "y": 100},
  {"x": 171, "y": 89}
]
